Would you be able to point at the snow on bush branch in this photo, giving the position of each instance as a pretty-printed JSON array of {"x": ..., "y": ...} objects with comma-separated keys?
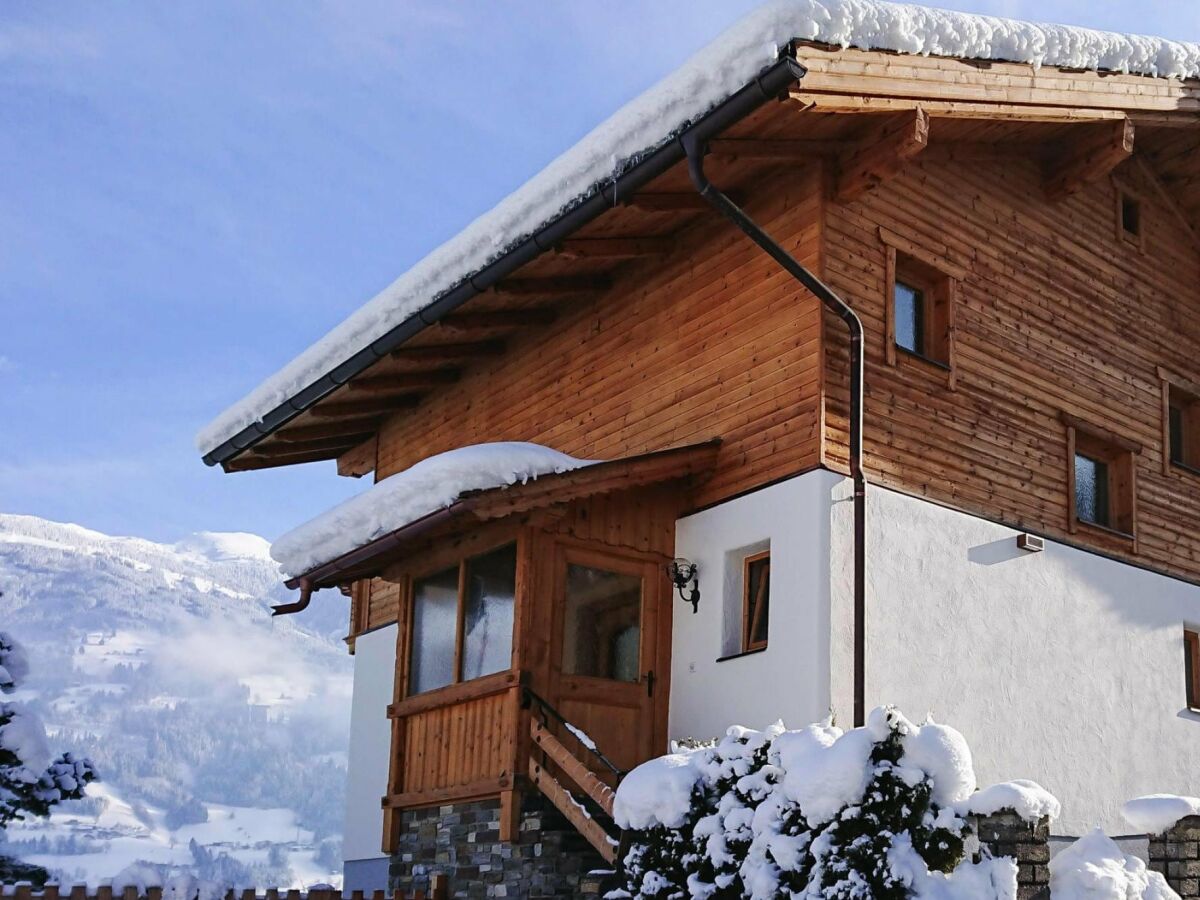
[
  {"x": 30, "y": 784},
  {"x": 879, "y": 812}
]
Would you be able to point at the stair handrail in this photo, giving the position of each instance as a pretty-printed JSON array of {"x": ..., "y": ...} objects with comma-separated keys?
[{"x": 531, "y": 696}]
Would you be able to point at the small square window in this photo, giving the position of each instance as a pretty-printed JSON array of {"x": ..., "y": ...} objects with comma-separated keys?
[
  {"x": 921, "y": 298},
  {"x": 1102, "y": 478},
  {"x": 1191, "y": 668},
  {"x": 1183, "y": 416},
  {"x": 756, "y": 601}
]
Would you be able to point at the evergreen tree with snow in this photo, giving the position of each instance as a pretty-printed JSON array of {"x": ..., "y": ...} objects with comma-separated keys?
[{"x": 30, "y": 784}]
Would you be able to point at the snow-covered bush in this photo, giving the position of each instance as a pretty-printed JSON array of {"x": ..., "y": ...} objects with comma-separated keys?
[
  {"x": 30, "y": 783},
  {"x": 1094, "y": 868},
  {"x": 877, "y": 812}
]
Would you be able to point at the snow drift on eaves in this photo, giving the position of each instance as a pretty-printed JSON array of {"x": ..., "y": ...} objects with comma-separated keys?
[
  {"x": 400, "y": 499},
  {"x": 705, "y": 80}
]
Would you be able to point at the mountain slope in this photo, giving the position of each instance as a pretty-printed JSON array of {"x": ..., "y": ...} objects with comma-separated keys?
[{"x": 162, "y": 662}]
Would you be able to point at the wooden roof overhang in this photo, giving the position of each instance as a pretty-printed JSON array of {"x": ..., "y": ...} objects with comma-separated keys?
[
  {"x": 867, "y": 114},
  {"x": 687, "y": 465}
]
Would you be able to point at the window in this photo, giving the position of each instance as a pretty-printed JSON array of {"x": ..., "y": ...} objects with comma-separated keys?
[
  {"x": 462, "y": 621},
  {"x": 1101, "y": 478},
  {"x": 756, "y": 601},
  {"x": 1183, "y": 428},
  {"x": 1131, "y": 216},
  {"x": 919, "y": 313},
  {"x": 1191, "y": 668},
  {"x": 602, "y": 623}
]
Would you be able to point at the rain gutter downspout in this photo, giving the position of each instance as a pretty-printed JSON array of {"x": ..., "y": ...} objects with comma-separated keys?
[{"x": 695, "y": 145}]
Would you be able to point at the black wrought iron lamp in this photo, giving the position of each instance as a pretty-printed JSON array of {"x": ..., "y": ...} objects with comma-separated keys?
[{"x": 683, "y": 572}]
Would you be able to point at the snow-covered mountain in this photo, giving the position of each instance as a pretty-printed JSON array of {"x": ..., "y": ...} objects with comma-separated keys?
[{"x": 207, "y": 718}]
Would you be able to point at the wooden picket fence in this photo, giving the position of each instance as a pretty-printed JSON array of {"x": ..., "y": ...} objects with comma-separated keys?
[{"x": 437, "y": 891}]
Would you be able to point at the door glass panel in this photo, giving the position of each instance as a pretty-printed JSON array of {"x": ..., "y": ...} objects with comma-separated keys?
[
  {"x": 602, "y": 630},
  {"x": 435, "y": 626},
  {"x": 491, "y": 587}
]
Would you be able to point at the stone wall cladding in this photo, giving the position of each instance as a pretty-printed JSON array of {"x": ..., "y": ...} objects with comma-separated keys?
[
  {"x": 462, "y": 842},
  {"x": 1176, "y": 854},
  {"x": 1007, "y": 834}
]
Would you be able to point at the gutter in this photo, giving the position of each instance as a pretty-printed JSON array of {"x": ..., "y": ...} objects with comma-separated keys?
[
  {"x": 694, "y": 143},
  {"x": 767, "y": 86}
]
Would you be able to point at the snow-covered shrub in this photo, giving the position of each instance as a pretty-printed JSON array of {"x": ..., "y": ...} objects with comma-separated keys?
[
  {"x": 877, "y": 812},
  {"x": 1094, "y": 868},
  {"x": 30, "y": 783}
]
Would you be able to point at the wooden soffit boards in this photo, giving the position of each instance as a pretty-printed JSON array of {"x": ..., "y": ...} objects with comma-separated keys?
[{"x": 690, "y": 463}]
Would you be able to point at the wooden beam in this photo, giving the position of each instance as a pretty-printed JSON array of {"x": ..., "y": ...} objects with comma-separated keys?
[
  {"x": 340, "y": 443},
  {"x": 615, "y": 248},
  {"x": 404, "y": 381},
  {"x": 572, "y": 811},
  {"x": 587, "y": 780},
  {"x": 1089, "y": 157},
  {"x": 349, "y": 408},
  {"x": 358, "y": 430},
  {"x": 793, "y": 150},
  {"x": 856, "y": 103},
  {"x": 883, "y": 154},
  {"x": 448, "y": 353},
  {"x": 247, "y": 462},
  {"x": 553, "y": 287},
  {"x": 359, "y": 461},
  {"x": 486, "y": 320},
  {"x": 684, "y": 201}
]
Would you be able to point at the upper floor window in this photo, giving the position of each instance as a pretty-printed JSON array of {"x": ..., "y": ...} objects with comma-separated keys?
[
  {"x": 921, "y": 291},
  {"x": 1183, "y": 427},
  {"x": 1191, "y": 667},
  {"x": 1130, "y": 218},
  {"x": 462, "y": 620},
  {"x": 1101, "y": 478},
  {"x": 756, "y": 600}
]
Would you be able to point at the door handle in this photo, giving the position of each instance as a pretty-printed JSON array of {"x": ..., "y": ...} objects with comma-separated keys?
[{"x": 649, "y": 679}]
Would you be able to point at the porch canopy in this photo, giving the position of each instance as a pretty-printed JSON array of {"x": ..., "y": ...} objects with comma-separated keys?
[{"x": 560, "y": 480}]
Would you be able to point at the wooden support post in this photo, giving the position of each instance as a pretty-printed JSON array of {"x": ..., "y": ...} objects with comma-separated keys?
[
  {"x": 510, "y": 815},
  {"x": 882, "y": 155},
  {"x": 1089, "y": 157}
]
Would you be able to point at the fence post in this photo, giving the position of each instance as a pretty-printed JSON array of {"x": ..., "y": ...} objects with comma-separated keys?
[
  {"x": 1175, "y": 854},
  {"x": 1005, "y": 833},
  {"x": 438, "y": 887}
]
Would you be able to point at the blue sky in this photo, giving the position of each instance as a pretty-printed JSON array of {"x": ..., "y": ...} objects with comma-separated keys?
[{"x": 195, "y": 191}]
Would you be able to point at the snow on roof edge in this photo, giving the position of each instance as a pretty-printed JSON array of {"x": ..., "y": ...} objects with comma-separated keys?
[{"x": 705, "y": 80}]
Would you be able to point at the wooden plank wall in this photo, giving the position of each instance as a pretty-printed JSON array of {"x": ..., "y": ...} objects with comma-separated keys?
[
  {"x": 1057, "y": 314},
  {"x": 458, "y": 745},
  {"x": 711, "y": 340}
]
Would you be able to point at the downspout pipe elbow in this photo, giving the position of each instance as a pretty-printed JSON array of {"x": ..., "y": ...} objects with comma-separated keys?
[{"x": 287, "y": 609}]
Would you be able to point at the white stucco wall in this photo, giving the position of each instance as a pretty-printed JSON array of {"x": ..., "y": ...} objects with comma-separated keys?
[
  {"x": 1061, "y": 666},
  {"x": 370, "y": 744},
  {"x": 790, "y": 679}
]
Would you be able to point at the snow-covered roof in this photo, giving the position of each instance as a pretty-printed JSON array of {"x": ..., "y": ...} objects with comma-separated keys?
[
  {"x": 649, "y": 121},
  {"x": 401, "y": 499}
]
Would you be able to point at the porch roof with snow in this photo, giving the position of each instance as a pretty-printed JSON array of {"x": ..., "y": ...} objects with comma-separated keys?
[
  {"x": 455, "y": 490},
  {"x": 622, "y": 191}
]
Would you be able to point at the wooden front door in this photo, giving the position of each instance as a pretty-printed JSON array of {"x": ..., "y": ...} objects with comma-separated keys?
[{"x": 607, "y": 662}]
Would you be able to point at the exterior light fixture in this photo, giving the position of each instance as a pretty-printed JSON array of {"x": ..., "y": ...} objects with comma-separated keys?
[{"x": 683, "y": 572}]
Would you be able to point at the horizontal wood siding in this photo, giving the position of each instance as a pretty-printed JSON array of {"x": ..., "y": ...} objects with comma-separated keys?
[
  {"x": 711, "y": 340},
  {"x": 1057, "y": 313}
]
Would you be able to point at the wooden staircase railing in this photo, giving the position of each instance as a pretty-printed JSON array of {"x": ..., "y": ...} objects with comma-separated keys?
[{"x": 576, "y": 772}]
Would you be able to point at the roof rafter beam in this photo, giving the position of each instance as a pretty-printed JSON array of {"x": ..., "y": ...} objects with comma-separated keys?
[
  {"x": 340, "y": 444},
  {"x": 1089, "y": 158},
  {"x": 404, "y": 381},
  {"x": 485, "y": 320},
  {"x": 779, "y": 150},
  {"x": 615, "y": 248},
  {"x": 248, "y": 462},
  {"x": 685, "y": 201},
  {"x": 882, "y": 154},
  {"x": 448, "y": 353},
  {"x": 360, "y": 429},
  {"x": 347, "y": 409},
  {"x": 560, "y": 286}
]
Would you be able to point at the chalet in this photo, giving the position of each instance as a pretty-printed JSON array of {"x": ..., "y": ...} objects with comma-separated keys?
[{"x": 869, "y": 373}]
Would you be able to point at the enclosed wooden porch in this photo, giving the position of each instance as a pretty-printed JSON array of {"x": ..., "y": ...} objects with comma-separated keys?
[{"x": 533, "y": 639}]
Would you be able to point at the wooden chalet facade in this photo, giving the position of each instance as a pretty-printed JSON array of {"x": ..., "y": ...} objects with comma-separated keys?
[{"x": 1042, "y": 227}]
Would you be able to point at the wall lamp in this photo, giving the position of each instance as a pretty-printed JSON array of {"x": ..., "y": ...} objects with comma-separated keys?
[{"x": 683, "y": 572}]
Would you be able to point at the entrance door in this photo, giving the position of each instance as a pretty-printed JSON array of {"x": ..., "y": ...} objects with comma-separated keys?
[{"x": 606, "y": 649}]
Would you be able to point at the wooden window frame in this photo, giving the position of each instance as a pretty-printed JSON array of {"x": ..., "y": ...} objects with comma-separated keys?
[
  {"x": 938, "y": 280},
  {"x": 1120, "y": 454},
  {"x": 1125, "y": 237},
  {"x": 1175, "y": 389},
  {"x": 441, "y": 565},
  {"x": 748, "y": 645},
  {"x": 1191, "y": 667}
]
